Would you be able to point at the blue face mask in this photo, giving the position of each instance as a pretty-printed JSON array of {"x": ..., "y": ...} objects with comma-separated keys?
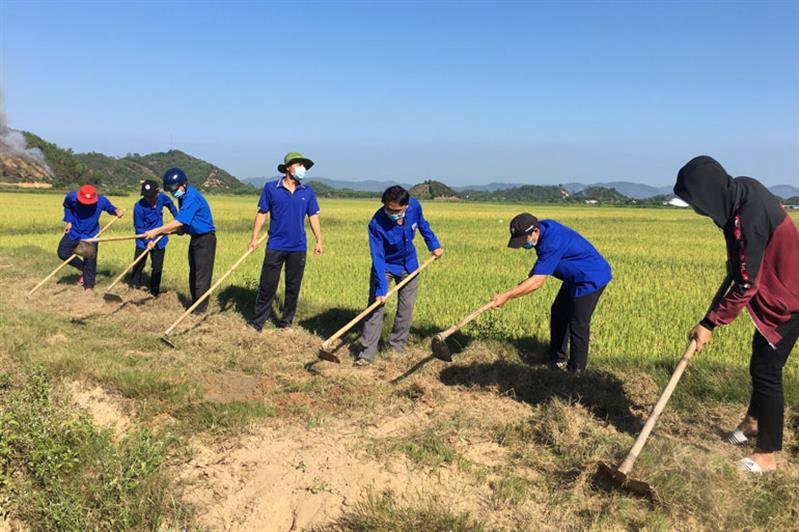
[
  {"x": 395, "y": 217},
  {"x": 179, "y": 193},
  {"x": 299, "y": 173},
  {"x": 529, "y": 245}
]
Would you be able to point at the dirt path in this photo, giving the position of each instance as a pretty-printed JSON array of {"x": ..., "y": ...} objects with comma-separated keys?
[{"x": 294, "y": 479}]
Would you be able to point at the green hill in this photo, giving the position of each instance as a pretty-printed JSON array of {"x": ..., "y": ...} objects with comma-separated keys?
[
  {"x": 433, "y": 190},
  {"x": 524, "y": 193},
  {"x": 71, "y": 169},
  {"x": 129, "y": 170},
  {"x": 68, "y": 170}
]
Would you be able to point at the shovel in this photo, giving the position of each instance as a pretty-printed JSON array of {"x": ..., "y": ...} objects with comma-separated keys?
[
  {"x": 116, "y": 298},
  {"x": 207, "y": 294},
  {"x": 326, "y": 353},
  {"x": 74, "y": 255},
  {"x": 439, "y": 344},
  {"x": 620, "y": 477}
]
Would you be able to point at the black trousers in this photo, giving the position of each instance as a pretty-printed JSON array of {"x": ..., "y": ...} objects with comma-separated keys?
[
  {"x": 88, "y": 267},
  {"x": 202, "y": 252},
  {"x": 156, "y": 268},
  {"x": 570, "y": 322},
  {"x": 270, "y": 277},
  {"x": 767, "y": 404}
]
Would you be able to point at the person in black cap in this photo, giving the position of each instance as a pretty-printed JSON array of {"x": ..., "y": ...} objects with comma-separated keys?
[
  {"x": 148, "y": 213},
  {"x": 564, "y": 254}
]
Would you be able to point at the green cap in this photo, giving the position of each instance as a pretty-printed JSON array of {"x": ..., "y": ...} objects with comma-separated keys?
[{"x": 291, "y": 158}]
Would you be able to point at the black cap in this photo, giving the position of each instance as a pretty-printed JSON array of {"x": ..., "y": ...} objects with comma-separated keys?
[
  {"x": 149, "y": 188},
  {"x": 521, "y": 226}
]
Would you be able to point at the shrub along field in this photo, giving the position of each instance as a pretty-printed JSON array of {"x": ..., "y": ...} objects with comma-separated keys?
[{"x": 539, "y": 433}]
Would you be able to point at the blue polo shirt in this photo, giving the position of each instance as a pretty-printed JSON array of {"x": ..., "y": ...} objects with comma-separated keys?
[
  {"x": 564, "y": 254},
  {"x": 391, "y": 244},
  {"x": 287, "y": 212},
  {"x": 85, "y": 219},
  {"x": 146, "y": 217},
  {"x": 195, "y": 214}
]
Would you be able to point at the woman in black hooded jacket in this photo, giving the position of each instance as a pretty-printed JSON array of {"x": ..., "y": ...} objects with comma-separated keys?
[{"x": 763, "y": 277}]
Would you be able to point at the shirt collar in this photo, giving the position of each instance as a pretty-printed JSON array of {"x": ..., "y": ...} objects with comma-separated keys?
[{"x": 280, "y": 184}]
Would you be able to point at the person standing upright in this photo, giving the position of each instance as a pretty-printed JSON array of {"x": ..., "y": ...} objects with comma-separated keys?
[{"x": 287, "y": 202}]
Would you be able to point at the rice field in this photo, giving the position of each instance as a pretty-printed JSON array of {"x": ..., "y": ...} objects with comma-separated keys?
[
  {"x": 667, "y": 264},
  {"x": 517, "y": 440}
]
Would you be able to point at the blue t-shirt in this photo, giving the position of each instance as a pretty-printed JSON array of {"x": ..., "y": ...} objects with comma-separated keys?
[
  {"x": 146, "y": 217},
  {"x": 287, "y": 212},
  {"x": 195, "y": 214},
  {"x": 85, "y": 219},
  {"x": 391, "y": 244},
  {"x": 564, "y": 254}
]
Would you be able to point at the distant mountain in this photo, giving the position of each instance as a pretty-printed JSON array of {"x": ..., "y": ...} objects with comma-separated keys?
[
  {"x": 629, "y": 189},
  {"x": 368, "y": 185},
  {"x": 491, "y": 187},
  {"x": 784, "y": 191}
]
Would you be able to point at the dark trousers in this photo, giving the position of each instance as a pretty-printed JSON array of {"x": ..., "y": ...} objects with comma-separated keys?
[
  {"x": 202, "y": 252},
  {"x": 156, "y": 268},
  {"x": 767, "y": 404},
  {"x": 571, "y": 323},
  {"x": 270, "y": 277},
  {"x": 88, "y": 267}
]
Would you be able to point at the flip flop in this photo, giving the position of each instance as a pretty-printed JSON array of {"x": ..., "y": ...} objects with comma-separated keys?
[
  {"x": 362, "y": 363},
  {"x": 737, "y": 437},
  {"x": 750, "y": 466}
]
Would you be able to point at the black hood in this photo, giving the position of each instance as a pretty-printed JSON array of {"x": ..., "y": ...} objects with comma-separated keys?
[{"x": 708, "y": 188}]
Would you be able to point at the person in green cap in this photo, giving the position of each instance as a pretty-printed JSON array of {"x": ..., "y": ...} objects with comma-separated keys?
[{"x": 288, "y": 202}]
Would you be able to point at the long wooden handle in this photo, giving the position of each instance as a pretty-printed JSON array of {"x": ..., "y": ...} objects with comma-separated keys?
[
  {"x": 73, "y": 256},
  {"x": 465, "y": 321},
  {"x": 219, "y": 281},
  {"x": 111, "y": 238},
  {"x": 134, "y": 263},
  {"x": 628, "y": 462},
  {"x": 376, "y": 304}
]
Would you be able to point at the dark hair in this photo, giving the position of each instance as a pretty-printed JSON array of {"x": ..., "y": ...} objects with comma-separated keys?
[{"x": 396, "y": 194}]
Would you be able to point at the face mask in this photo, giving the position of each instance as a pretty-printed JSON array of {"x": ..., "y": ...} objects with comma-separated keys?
[
  {"x": 395, "y": 217},
  {"x": 179, "y": 193},
  {"x": 299, "y": 173},
  {"x": 529, "y": 245}
]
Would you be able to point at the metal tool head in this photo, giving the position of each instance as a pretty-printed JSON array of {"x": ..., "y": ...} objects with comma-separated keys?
[
  {"x": 611, "y": 476},
  {"x": 326, "y": 354},
  {"x": 441, "y": 349},
  {"x": 85, "y": 250},
  {"x": 167, "y": 341},
  {"x": 110, "y": 297}
]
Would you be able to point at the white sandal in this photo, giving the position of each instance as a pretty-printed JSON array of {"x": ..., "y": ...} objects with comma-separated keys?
[
  {"x": 737, "y": 437},
  {"x": 750, "y": 466}
]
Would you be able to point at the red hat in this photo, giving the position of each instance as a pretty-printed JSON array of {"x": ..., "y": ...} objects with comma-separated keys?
[{"x": 87, "y": 195}]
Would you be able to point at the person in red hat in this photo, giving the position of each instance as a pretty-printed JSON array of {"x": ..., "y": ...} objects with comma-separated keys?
[{"x": 82, "y": 210}]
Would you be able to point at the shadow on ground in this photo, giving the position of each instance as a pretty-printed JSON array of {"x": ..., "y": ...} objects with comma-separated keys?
[{"x": 600, "y": 392}]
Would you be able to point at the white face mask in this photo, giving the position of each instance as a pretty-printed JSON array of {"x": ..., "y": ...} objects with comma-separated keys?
[{"x": 299, "y": 173}]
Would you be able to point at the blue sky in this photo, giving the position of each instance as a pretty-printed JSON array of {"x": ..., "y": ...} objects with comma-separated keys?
[{"x": 465, "y": 92}]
